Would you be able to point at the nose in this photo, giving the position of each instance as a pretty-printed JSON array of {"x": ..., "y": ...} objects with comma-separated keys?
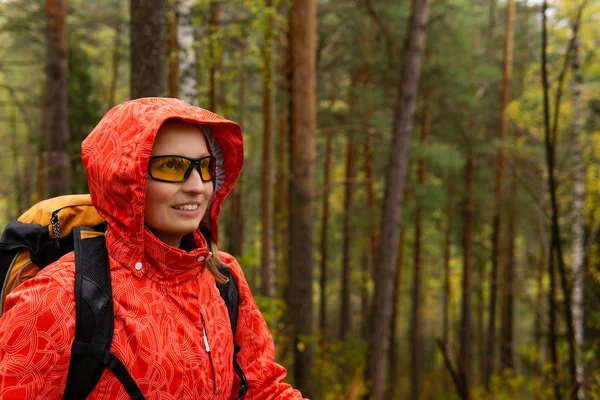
[{"x": 194, "y": 183}]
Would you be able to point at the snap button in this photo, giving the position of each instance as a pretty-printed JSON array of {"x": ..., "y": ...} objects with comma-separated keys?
[
  {"x": 138, "y": 265},
  {"x": 201, "y": 258}
]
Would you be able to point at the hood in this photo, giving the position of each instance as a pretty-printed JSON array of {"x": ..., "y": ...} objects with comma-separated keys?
[{"x": 116, "y": 154}]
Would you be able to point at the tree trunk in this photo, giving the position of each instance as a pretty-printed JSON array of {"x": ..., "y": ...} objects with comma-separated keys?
[
  {"x": 116, "y": 61},
  {"x": 303, "y": 35},
  {"x": 268, "y": 176},
  {"x": 324, "y": 236},
  {"x": 235, "y": 197},
  {"x": 578, "y": 235},
  {"x": 57, "y": 71},
  {"x": 281, "y": 192},
  {"x": 506, "y": 326},
  {"x": 416, "y": 336},
  {"x": 345, "y": 312},
  {"x": 549, "y": 160},
  {"x": 148, "y": 64},
  {"x": 466, "y": 336},
  {"x": 283, "y": 112},
  {"x": 507, "y": 302},
  {"x": 371, "y": 198},
  {"x": 188, "y": 71},
  {"x": 213, "y": 24},
  {"x": 394, "y": 342},
  {"x": 172, "y": 48},
  {"x": 446, "y": 296},
  {"x": 387, "y": 254},
  {"x": 17, "y": 177},
  {"x": 497, "y": 221}
]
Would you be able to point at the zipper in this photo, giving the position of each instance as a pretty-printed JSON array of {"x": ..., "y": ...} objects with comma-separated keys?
[{"x": 207, "y": 348}]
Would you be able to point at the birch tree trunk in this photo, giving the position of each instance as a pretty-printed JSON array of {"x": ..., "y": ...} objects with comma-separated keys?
[
  {"x": 148, "y": 48},
  {"x": 303, "y": 45},
  {"x": 188, "y": 82},
  {"x": 57, "y": 72},
  {"x": 387, "y": 254},
  {"x": 578, "y": 234}
]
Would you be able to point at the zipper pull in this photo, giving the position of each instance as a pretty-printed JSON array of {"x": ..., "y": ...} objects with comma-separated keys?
[{"x": 205, "y": 338}]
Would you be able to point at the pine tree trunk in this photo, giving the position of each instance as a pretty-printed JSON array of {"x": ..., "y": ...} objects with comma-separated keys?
[
  {"x": 283, "y": 111},
  {"x": 506, "y": 328},
  {"x": 235, "y": 197},
  {"x": 324, "y": 237},
  {"x": 148, "y": 41},
  {"x": 57, "y": 71},
  {"x": 268, "y": 176},
  {"x": 17, "y": 181},
  {"x": 345, "y": 311},
  {"x": 539, "y": 300},
  {"x": 371, "y": 198},
  {"x": 446, "y": 296},
  {"x": 416, "y": 337},
  {"x": 507, "y": 302},
  {"x": 187, "y": 55},
  {"x": 387, "y": 254},
  {"x": 172, "y": 49},
  {"x": 549, "y": 160},
  {"x": 466, "y": 336},
  {"x": 394, "y": 342},
  {"x": 213, "y": 29},
  {"x": 578, "y": 234},
  {"x": 303, "y": 45}
]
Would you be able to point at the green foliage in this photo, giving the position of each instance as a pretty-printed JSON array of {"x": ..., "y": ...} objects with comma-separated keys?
[{"x": 339, "y": 368}]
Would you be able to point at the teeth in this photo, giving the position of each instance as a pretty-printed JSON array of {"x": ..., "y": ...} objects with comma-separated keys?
[{"x": 187, "y": 207}]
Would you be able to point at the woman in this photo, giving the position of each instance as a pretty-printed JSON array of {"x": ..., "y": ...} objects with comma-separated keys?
[{"x": 158, "y": 171}]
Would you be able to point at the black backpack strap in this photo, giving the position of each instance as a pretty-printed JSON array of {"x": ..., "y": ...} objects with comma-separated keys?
[
  {"x": 230, "y": 294},
  {"x": 94, "y": 322}
]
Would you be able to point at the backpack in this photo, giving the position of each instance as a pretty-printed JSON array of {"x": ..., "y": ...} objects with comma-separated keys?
[{"x": 55, "y": 227}]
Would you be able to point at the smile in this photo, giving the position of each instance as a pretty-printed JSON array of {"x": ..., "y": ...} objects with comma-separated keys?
[{"x": 186, "y": 207}]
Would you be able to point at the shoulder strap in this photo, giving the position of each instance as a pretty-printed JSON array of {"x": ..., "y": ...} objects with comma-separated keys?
[
  {"x": 230, "y": 294},
  {"x": 94, "y": 322}
]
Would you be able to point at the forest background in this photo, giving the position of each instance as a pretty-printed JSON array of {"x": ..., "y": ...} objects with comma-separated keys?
[{"x": 464, "y": 263}]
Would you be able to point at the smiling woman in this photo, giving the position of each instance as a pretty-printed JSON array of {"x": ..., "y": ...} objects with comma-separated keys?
[{"x": 158, "y": 170}]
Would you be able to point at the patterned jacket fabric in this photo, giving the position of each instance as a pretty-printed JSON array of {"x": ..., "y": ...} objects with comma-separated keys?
[{"x": 164, "y": 297}]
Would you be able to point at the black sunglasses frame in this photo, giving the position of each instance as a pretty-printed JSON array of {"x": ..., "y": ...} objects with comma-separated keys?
[{"x": 194, "y": 163}]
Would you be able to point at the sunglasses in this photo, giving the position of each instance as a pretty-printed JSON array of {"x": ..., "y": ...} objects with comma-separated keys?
[{"x": 179, "y": 168}]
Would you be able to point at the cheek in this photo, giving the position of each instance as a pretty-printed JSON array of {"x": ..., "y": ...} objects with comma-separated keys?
[{"x": 156, "y": 197}]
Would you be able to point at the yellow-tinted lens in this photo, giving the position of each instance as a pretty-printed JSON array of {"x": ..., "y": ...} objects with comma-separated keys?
[
  {"x": 169, "y": 168},
  {"x": 206, "y": 168}
]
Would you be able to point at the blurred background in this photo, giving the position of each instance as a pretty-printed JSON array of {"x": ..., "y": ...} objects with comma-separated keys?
[{"x": 417, "y": 213}]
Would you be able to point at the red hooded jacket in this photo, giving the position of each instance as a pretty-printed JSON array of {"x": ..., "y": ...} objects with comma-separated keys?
[{"x": 162, "y": 295}]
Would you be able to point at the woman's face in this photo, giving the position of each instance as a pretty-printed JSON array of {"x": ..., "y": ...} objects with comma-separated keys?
[{"x": 174, "y": 209}]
